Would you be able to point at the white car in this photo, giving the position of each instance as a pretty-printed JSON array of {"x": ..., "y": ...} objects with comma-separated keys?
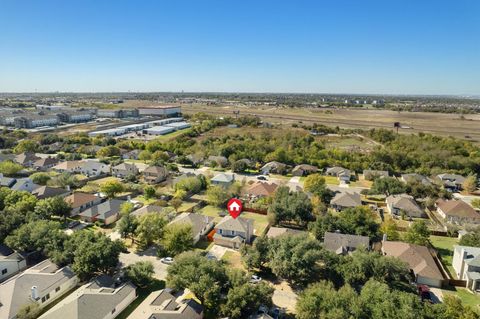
[
  {"x": 255, "y": 279},
  {"x": 167, "y": 260}
]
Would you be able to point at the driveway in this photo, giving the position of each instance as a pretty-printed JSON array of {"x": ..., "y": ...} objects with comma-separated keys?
[
  {"x": 436, "y": 294},
  {"x": 218, "y": 251},
  {"x": 284, "y": 297},
  {"x": 149, "y": 255}
]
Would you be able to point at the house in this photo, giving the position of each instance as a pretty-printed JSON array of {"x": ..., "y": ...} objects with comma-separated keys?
[
  {"x": 415, "y": 177},
  {"x": 233, "y": 232},
  {"x": 163, "y": 304},
  {"x": 201, "y": 225},
  {"x": 148, "y": 209},
  {"x": 107, "y": 212},
  {"x": 451, "y": 182},
  {"x": 99, "y": 299},
  {"x": 155, "y": 174},
  {"x": 72, "y": 167},
  {"x": 274, "y": 232},
  {"x": 11, "y": 263},
  {"x": 370, "y": 174},
  {"x": 343, "y": 200},
  {"x": 43, "y": 192},
  {"x": 342, "y": 244},
  {"x": 43, "y": 283},
  {"x": 26, "y": 159},
  {"x": 93, "y": 168},
  {"x": 419, "y": 260},
  {"x": 196, "y": 159},
  {"x": 133, "y": 154},
  {"x": 7, "y": 181},
  {"x": 81, "y": 201},
  {"x": 123, "y": 170},
  {"x": 24, "y": 184},
  {"x": 45, "y": 163},
  {"x": 223, "y": 180},
  {"x": 273, "y": 168},
  {"x": 221, "y": 161},
  {"x": 261, "y": 189},
  {"x": 457, "y": 212},
  {"x": 341, "y": 173},
  {"x": 466, "y": 262},
  {"x": 396, "y": 204},
  {"x": 304, "y": 169}
]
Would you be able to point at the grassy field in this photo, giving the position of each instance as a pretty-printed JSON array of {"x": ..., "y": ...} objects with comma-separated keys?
[
  {"x": 167, "y": 137},
  {"x": 466, "y": 296},
  {"x": 142, "y": 293},
  {"x": 331, "y": 180},
  {"x": 444, "y": 247},
  {"x": 234, "y": 259}
]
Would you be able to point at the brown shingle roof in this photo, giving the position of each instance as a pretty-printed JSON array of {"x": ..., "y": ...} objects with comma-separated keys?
[
  {"x": 78, "y": 199},
  {"x": 262, "y": 189},
  {"x": 457, "y": 208}
]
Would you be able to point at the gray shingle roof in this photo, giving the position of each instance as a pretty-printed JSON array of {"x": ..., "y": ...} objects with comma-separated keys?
[
  {"x": 238, "y": 224},
  {"x": 197, "y": 221},
  {"x": 341, "y": 243},
  {"x": 104, "y": 210}
]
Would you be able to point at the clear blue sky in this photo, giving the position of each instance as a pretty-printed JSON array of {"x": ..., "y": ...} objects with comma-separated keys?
[{"x": 357, "y": 46}]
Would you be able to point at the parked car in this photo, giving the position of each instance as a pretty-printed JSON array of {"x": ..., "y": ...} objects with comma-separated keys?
[
  {"x": 167, "y": 260},
  {"x": 262, "y": 178},
  {"x": 73, "y": 224},
  {"x": 424, "y": 293},
  {"x": 255, "y": 279}
]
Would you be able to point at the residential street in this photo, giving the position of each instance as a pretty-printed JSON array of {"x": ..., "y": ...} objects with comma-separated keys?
[{"x": 148, "y": 255}]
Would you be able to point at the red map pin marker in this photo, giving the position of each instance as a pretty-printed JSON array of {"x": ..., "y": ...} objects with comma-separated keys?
[{"x": 234, "y": 207}]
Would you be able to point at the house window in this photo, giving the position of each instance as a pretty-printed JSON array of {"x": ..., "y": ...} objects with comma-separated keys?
[
  {"x": 113, "y": 311},
  {"x": 43, "y": 299},
  {"x": 4, "y": 271},
  {"x": 57, "y": 289},
  {"x": 47, "y": 297}
]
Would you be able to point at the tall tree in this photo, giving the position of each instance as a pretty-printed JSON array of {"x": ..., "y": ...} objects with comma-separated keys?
[
  {"x": 112, "y": 188},
  {"x": 418, "y": 233},
  {"x": 140, "y": 273},
  {"x": 177, "y": 238}
]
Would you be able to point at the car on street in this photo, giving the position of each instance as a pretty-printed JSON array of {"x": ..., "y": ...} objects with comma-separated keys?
[
  {"x": 73, "y": 224},
  {"x": 262, "y": 178},
  {"x": 254, "y": 279},
  {"x": 167, "y": 260}
]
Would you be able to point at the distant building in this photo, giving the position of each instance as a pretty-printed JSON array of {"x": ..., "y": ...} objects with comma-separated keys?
[
  {"x": 82, "y": 201},
  {"x": 43, "y": 192},
  {"x": 370, "y": 174},
  {"x": 341, "y": 173},
  {"x": 123, "y": 170},
  {"x": 466, "y": 262},
  {"x": 26, "y": 158},
  {"x": 166, "y": 111},
  {"x": 273, "y": 168},
  {"x": 36, "y": 120},
  {"x": 396, "y": 204},
  {"x": 451, "y": 182},
  {"x": 75, "y": 116},
  {"x": 261, "y": 189},
  {"x": 223, "y": 179},
  {"x": 155, "y": 174},
  {"x": 304, "y": 169}
]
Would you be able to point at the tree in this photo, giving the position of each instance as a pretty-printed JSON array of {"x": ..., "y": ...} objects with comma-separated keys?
[
  {"x": 126, "y": 208},
  {"x": 387, "y": 186},
  {"x": 418, "y": 233},
  {"x": 65, "y": 180},
  {"x": 149, "y": 192},
  {"x": 150, "y": 229},
  {"x": 145, "y": 156},
  {"x": 140, "y": 273},
  {"x": 53, "y": 206},
  {"x": 127, "y": 226},
  {"x": 206, "y": 278},
  {"x": 111, "y": 188},
  {"x": 245, "y": 299},
  {"x": 176, "y": 203},
  {"x": 9, "y": 168},
  {"x": 108, "y": 151},
  {"x": 256, "y": 256},
  {"x": 470, "y": 183},
  {"x": 29, "y": 311},
  {"x": 177, "y": 238},
  {"x": 26, "y": 146},
  {"x": 40, "y": 178},
  {"x": 476, "y": 203},
  {"x": 471, "y": 239},
  {"x": 239, "y": 166},
  {"x": 217, "y": 196},
  {"x": 389, "y": 228},
  {"x": 290, "y": 207}
]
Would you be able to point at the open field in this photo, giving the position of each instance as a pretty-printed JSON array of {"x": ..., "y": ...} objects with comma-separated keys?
[{"x": 467, "y": 127}]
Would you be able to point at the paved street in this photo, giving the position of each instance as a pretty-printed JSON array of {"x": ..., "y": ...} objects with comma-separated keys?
[
  {"x": 284, "y": 297},
  {"x": 149, "y": 255}
]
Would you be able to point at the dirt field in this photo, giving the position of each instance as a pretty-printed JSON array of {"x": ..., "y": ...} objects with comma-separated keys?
[{"x": 467, "y": 127}]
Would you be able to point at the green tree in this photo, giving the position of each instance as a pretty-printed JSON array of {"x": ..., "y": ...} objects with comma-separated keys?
[
  {"x": 471, "y": 239},
  {"x": 145, "y": 156},
  {"x": 111, "y": 188},
  {"x": 65, "y": 180},
  {"x": 140, "y": 273},
  {"x": 149, "y": 192},
  {"x": 389, "y": 227},
  {"x": 476, "y": 203},
  {"x": 29, "y": 311},
  {"x": 108, "y": 151},
  {"x": 53, "y": 206},
  {"x": 244, "y": 300},
  {"x": 150, "y": 229},
  {"x": 217, "y": 196},
  {"x": 127, "y": 226},
  {"x": 470, "y": 183},
  {"x": 26, "y": 146},
  {"x": 290, "y": 207},
  {"x": 9, "y": 168},
  {"x": 40, "y": 178},
  {"x": 256, "y": 256},
  {"x": 177, "y": 238},
  {"x": 126, "y": 208},
  {"x": 387, "y": 186},
  {"x": 418, "y": 233},
  {"x": 176, "y": 203}
]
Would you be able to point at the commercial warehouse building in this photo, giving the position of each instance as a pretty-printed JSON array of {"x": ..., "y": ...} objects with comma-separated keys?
[{"x": 161, "y": 110}]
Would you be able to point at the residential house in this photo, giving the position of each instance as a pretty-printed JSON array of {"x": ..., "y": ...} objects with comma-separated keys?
[
  {"x": 26, "y": 159},
  {"x": 274, "y": 232},
  {"x": 304, "y": 169},
  {"x": 11, "y": 263},
  {"x": 101, "y": 298},
  {"x": 233, "y": 232},
  {"x": 418, "y": 258},
  {"x": 163, "y": 304},
  {"x": 341, "y": 173},
  {"x": 45, "y": 163},
  {"x": 7, "y": 181},
  {"x": 123, "y": 170},
  {"x": 155, "y": 174},
  {"x": 201, "y": 224},
  {"x": 466, "y": 262},
  {"x": 196, "y": 159},
  {"x": 223, "y": 180},
  {"x": 93, "y": 168},
  {"x": 43, "y": 192},
  {"x": 133, "y": 155},
  {"x": 415, "y": 177},
  {"x": 82, "y": 201},
  {"x": 42, "y": 284},
  {"x": 457, "y": 212},
  {"x": 107, "y": 212},
  {"x": 273, "y": 168},
  {"x": 370, "y": 174},
  {"x": 403, "y": 203},
  {"x": 72, "y": 167},
  {"x": 24, "y": 184},
  {"x": 148, "y": 209},
  {"x": 343, "y": 200},
  {"x": 451, "y": 182},
  {"x": 261, "y": 189},
  {"x": 342, "y": 244}
]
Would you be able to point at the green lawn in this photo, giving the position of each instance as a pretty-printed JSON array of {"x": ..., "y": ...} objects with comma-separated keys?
[
  {"x": 444, "y": 247},
  {"x": 186, "y": 206},
  {"x": 260, "y": 222},
  {"x": 170, "y": 136},
  {"x": 331, "y": 180},
  {"x": 211, "y": 211},
  {"x": 466, "y": 296},
  {"x": 142, "y": 293},
  {"x": 145, "y": 201}
]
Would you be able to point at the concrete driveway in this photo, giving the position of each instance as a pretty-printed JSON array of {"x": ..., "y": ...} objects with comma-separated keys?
[
  {"x": 149, "y": 255},
  {"x": 218, "y": 251}
]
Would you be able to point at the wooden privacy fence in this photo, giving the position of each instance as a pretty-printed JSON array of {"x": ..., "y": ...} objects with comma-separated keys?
[{"x": 255, "y": 210}]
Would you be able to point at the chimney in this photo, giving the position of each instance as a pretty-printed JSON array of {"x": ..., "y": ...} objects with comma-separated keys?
[
  {"x": 68, "y": 187},
  {"x": 384, "y": 239},
  {"x": 129, "y": 198},
  {"x": 1, "y": 175},
  {"x": 34, "y": 293}
]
